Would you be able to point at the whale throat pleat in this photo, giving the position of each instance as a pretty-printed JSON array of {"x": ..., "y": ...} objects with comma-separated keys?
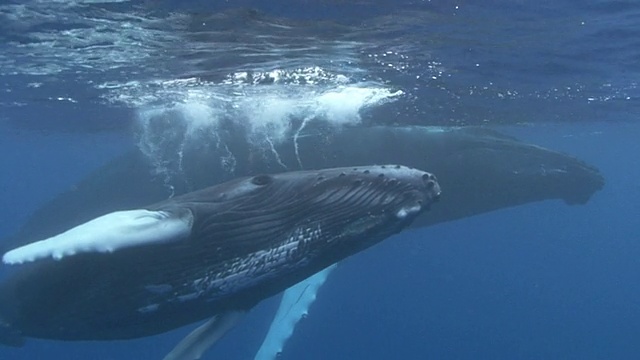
[
  {"x": 106, "y": 234},
  {"x": 267, "y": 222}
]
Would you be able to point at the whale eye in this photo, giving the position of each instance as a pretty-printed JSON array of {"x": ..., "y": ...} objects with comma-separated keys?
[{"x": 261, "y": 180}]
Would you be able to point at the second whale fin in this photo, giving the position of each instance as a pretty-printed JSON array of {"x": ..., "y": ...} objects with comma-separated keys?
[
  {"x": 294, "y": 305},
  {"x": 204, "y": 336}
]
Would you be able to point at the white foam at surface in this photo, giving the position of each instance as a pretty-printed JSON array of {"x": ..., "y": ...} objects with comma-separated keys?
[
  {"x": 268, "y": 115},
  {"x": 271, "y": 111},
  {"x": 198, "y": 115},
  {"x": 106, "y": 234},
  {"x": 343, "y": 104},
  {"x": 271, "y": 114},
  {"x": 166, "y": 131}
]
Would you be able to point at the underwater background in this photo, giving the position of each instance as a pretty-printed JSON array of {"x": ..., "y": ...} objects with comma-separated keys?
[{"x": 82, "y": 81}]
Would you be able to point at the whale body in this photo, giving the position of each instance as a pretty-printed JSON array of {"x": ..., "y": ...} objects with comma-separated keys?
[{"x": 215, "y": 252}]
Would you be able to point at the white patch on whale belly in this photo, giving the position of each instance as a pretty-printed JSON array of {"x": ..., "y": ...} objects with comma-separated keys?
[
  {"x": 105, "y": 234},
  {"x": 243, "y": 272}
]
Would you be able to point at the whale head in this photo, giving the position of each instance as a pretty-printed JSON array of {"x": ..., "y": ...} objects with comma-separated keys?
[{"x": 339, "y": 211}]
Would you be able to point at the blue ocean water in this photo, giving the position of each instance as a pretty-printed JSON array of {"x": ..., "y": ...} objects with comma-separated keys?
[{"x": 539, "y": 281}]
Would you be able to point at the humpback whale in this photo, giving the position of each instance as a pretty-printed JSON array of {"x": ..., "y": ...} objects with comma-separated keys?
[
  {"x": 481, "y": 169},
  {"x": 213, "y": 253}
]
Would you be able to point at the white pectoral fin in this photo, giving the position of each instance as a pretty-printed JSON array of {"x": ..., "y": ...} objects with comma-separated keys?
[
  {"x": 108, "y": 233},
  {"x": 204, "y": 336},
  {"x": 294, "y": 305}
]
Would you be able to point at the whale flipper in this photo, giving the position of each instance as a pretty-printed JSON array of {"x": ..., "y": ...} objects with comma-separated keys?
[
  {"x": 106, "y": 234},
  {"x": 294, "y": 305},
  {"x": 204, "y": 336}
]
